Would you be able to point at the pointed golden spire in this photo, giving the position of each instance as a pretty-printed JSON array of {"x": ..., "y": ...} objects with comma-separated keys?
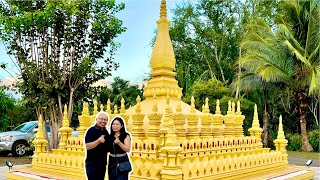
[
  {"x": 95, "y": 107},
  {"x": 206, "y": 106},
  {"x": 218, "y": 107},
  {"x": 85, "y": 110},
  {"x": 193, "y": 108},
  {"x": 233, "y": 107},
  {"x": 123, "y": 109},
  {"x": 163, "y": 62},
  {"x": 108, "y": 106},
  {"x": 163, "y": 10},
  {"x": 115, "y": 109},
  {"x": 238, "y": 108},
  {"x": 65, "y": 121},
  {"x": 101, "y": 107},
  {"x": 162, "y": 59},
  {"x": 138, "y": 108},
  {"x": 280, "y": 130},
  {"x": 40, "y": 127},
  {"x": 255, "y": 122},
  {"x": 229, "y": 108}
]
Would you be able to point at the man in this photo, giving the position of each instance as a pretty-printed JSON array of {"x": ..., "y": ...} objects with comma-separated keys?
[{"x": 97, "y": 146}]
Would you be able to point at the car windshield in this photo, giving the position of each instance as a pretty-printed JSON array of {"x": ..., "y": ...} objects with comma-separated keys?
[{"x": 24, "y": 127}]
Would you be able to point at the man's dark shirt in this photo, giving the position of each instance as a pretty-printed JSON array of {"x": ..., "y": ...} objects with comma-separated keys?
[{"x": 99, "y": 153}]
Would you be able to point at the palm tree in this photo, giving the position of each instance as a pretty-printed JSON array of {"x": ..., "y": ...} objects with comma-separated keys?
[{"x": 291, "y": 55}]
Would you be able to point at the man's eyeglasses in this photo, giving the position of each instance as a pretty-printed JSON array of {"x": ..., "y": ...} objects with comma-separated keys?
[{"x": 103, "y": 119}]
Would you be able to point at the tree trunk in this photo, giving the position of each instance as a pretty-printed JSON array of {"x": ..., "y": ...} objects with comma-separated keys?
[
  {"x": 265, "y": 127},
  {"x": 303, "y": 123},
  {"x": 54, "y": 121},
  {"x": 70, "y": 108}
]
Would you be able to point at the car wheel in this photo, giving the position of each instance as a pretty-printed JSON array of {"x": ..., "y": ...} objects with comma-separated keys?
[{"x": 19, "y": 148}]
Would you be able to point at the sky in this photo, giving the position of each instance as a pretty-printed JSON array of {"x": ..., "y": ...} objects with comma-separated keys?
[{"x": 133, "y": 56}]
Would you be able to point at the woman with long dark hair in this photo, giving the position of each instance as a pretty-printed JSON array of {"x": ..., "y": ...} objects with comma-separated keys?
[{"x": 119, "y": 163}]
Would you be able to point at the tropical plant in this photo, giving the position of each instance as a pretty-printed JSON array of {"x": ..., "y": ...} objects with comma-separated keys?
[{"x": 288, "y": 55}]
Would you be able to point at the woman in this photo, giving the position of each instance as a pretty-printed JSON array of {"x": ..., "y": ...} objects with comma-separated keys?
[{"x": 119, "y": 163}]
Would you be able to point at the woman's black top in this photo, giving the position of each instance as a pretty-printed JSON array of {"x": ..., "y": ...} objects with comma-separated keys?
[
  {"x": 116, "y": 149},
  {"x": 113, "y": 161}
]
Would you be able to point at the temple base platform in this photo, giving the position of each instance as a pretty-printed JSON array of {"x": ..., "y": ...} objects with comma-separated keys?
[{"x": 290, "y": 172}]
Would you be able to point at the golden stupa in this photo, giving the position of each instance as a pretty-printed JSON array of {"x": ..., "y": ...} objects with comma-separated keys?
[{"x": 170, "y": 139}]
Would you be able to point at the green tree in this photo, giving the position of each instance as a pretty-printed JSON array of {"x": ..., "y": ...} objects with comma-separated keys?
[
  {"x": 289, "y": 56},
  {"x": 119, "y": 89},
  {"x": 204, "y": 36},
  {"x": 59, "y": 47},
  {"x": 6, "y": 104}
]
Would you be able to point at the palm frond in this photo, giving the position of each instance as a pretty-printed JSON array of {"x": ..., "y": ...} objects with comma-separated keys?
[
  {"x": 299, "y": 56},
  {"x": 314, "y": 88},
  {"x": 313, "y": 34}
]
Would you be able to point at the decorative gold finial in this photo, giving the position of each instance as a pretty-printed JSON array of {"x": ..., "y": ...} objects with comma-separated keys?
[
  {"x": 65, "y": 122},
  {"x": 101, "y": 107},
  {"x": 108, "y": 106},
  {"x": 255, "y": 122},
  {"x": 193, "y": 108},
  {"x": 85, "y": 110},
  {"x": 206, "y": 106},
  {"x": 229, "y": 108},
  {"x": 233, "y": 107},
  {"x": 40, "y": 127},
  {"x": 123, "y": 108},
  {"x": 163, "y": 9},
  {"x": 280, "y": 130},
  {"x": 95, "y": 107},
  {"x": 218, "y": 107},
  {"x": 115, "y": 109},
  {"x": 238, "y": 108},
  {"x": 138, "y": 108}
]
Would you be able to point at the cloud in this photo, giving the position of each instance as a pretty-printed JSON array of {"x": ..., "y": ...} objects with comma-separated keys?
[
  {"x": 8, "y": 82},
  {"x": 102, "y": 83}
]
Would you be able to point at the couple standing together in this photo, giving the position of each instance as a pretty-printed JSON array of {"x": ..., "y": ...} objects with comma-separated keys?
[{"x": 98, "y": 142}]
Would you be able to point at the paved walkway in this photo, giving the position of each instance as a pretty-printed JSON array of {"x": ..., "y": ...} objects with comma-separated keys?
[{"x": 4, "y": 170}]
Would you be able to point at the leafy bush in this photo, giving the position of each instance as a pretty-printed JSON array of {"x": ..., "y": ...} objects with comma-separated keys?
[
  {"x": 314, "y": 139},
  {"x": 294, "y": 142},
  {"x": 31, "y": 147}
]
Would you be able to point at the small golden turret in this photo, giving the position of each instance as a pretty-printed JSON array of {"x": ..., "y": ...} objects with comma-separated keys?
[
  {"x": 255, "y": 130},
  {"x": 281, "y": 141},
  {"x": 65, "y": 130}
]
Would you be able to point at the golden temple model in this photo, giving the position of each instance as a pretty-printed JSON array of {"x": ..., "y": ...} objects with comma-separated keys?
[{"x": 170, "y": 139}]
